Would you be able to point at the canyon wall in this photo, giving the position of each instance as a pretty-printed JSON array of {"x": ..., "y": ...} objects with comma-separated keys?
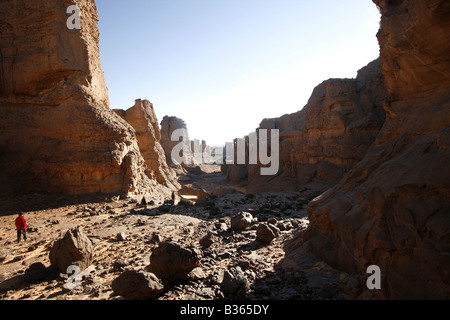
[
  {"x": 57, "y": 133},
  {"x": 393, "y": 208},
  {"x": 168, "y": 126},
  {"x": 143, "y": 119},
  {"x": 325, "y": 139}
]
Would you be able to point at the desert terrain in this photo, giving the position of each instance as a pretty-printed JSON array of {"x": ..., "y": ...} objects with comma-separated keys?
[
  {"x": 123, "y": 234},
  {"x": 362, "y": 181}
]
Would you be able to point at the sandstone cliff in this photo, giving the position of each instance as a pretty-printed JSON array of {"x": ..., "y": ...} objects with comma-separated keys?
[
  {"x": 143, "y": 119},
  {"x": 57, "y": 133},
  {"x": 326, "y": 138},
  {"x": 392, "y": 209},
  {"x": 168, "y": 126}
]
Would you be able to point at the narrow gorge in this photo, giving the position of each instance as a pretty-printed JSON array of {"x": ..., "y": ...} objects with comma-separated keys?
[{"x": 363, "y": 179}]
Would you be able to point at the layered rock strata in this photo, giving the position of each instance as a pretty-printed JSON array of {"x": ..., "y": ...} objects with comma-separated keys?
[
  {"x": 324, "y": 140},
  {"x": 143, "y": 119},
  {"x": 392, "y": 209},
  {"x": 190, "y": 153},
  {"x": 57, "y": 133},
  {"x": 168, "y": 126}
]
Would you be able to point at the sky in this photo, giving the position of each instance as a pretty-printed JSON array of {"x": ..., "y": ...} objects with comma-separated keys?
[{"x": 225, "y": 65}]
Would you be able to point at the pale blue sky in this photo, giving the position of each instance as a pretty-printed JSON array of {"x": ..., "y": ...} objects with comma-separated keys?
[{"x": 225, "y": 65}]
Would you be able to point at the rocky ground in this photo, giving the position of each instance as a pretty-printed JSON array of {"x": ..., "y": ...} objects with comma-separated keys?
[{"x": 243, "y": 261}]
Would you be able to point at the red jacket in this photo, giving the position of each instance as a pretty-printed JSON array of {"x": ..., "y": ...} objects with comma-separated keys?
[{"x": 21, "y": 224}]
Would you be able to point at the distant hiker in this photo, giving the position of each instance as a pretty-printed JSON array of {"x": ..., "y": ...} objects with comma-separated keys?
[
  {"x": 21, "y": 226},
  {"x": 144, "y": 202},
  {"x": 173, "y": 197}
]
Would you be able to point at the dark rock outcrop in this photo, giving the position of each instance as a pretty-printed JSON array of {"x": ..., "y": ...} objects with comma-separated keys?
[
  {"x": 171, "y": 262},
  {"x": 137, "y": 285}
]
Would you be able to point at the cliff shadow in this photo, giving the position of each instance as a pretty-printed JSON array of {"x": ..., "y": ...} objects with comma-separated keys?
[{"x": 35, "y": 202}]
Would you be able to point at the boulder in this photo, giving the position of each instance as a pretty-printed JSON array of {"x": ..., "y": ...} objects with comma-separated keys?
[
  {"x": 137, "y": 285},
  {"x": 192, "y": 190},
  {"x": 266, "y": 232},
  {"x": 74, "y": 248},
  {"x": 35, "y": 272},
  {"x": 235, "y": 282},
  {"x": 121, "y": 236},
  {"x": 241, "y": 221},
  {"x": 171, "y": 262}
]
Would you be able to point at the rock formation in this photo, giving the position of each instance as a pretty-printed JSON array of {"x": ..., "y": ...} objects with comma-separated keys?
[
  {"x": 326, "y": 138},
  {"x": 137, "y": 285},
  {"x": 168, "y": 126},
  {"x": 74, "y": 248},
  {"x": 143, "y": 119},
  {"x": 192, "y": 152},
  {"x": 171, "y": 262},
  {"x": 392, "y": 209},
  {"x": 57, "y": 133}
]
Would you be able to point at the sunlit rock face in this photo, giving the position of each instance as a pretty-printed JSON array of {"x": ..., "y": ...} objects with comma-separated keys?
[
  {"x": 57, "y": 133},
  {"x": 173, "y": 133},
  {"x": 324, "y": 140},
  {"x": 393, "y": 208},
  {"x": 143, "y": 119}
]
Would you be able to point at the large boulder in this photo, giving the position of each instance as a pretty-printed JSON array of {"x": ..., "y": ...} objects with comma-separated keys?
[
  {"x": 74, "y": 248},
  {"x": 242, "y": 221},
  {"x": 266, "y": 232},
  {"x": 35, "y": 272},
  {"x": 234, "y": 282},
  {"x": 137, "y": 285},
  {"x": 171, "y": 262}
]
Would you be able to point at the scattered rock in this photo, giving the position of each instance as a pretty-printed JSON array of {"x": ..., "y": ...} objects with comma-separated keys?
[
  {"x": 172, "y": 262},
  {"x": 119, "y": 265},
  {"x": 208, "y": 240},
  {"x": 74, "y": 248},
  {"x": 266, "y": 232},
  {"x": 19, "y": 257},
  {"x": 235, "y": 282},
  {"x": 157, "y": 238},
  {"x": 140, "y": 223},
  {"x": 241, "y": 221},
  {"x": 137, "y": 285},
  {"x": 196, "y": 274},
  {"x": 121, "y": 236},
  {"x": 221, "y": 226},
  {"x": 35, "y": 272},
  {"x": 4, "y": 256}
]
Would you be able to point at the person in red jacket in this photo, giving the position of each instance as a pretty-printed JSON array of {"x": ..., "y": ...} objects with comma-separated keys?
[{"x": 21, "y": 226}]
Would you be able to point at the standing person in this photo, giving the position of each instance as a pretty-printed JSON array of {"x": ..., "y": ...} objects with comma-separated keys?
[
  {"x": 173, "y": 197},
  {"x": 21, "y": 226}
]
